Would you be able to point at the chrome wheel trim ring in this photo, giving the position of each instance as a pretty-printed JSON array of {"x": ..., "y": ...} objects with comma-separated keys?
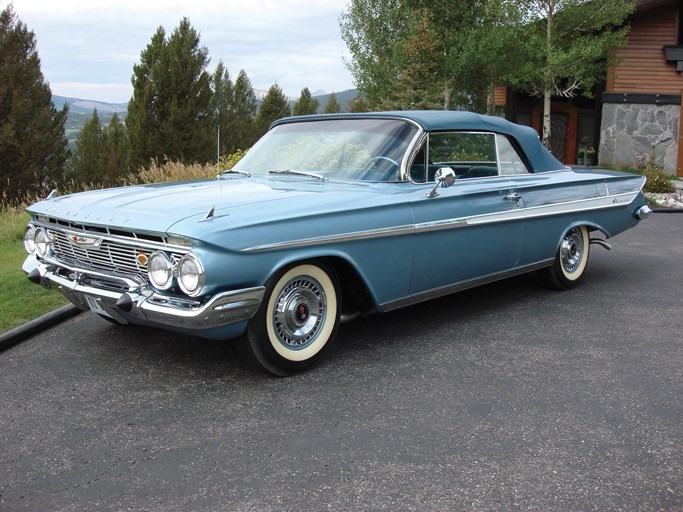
[
  {"x": 299, "y": 313},
  {"x": 572, "y": 250}
]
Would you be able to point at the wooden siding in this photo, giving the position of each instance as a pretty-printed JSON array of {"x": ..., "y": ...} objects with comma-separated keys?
[
  {"x": 500, "y": 96},
  {"x": 643, "y": 67}
]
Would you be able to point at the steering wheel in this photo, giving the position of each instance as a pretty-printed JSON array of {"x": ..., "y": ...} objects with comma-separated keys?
[
  {"x": 375, "y": 174},
  {"x": 377, "y": 158}
]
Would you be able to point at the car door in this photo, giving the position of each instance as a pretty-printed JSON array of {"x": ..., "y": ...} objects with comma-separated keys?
[{"x": 473, "y": 228}]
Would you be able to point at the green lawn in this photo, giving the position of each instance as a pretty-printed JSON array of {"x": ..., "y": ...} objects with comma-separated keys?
[{"x": 21, "y": 300}]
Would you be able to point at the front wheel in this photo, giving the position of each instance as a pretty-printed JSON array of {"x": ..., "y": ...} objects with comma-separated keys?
[
  {"x": 570, "y": 261},
  {"x": 297, "y": 321}
]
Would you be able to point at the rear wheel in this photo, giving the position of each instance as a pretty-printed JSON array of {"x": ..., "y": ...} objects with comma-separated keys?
[
  {"x": 570, "y": 261},
  {"x": 297, "y": 321}
]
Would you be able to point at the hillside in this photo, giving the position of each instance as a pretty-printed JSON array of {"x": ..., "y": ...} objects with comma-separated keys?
[{"x": 81, "y": 110}]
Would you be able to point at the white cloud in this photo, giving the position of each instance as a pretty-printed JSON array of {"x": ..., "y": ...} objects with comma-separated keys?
[{"x": 295, "y": 43}]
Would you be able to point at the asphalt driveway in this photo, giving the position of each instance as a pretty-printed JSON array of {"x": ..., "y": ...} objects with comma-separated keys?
[{"x": 506, "y": 397}]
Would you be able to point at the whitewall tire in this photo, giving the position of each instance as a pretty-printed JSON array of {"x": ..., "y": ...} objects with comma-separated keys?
[{"x": 297, "y": 321}]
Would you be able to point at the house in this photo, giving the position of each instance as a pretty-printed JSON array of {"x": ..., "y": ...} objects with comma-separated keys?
[{"x": 636, "y": 114}]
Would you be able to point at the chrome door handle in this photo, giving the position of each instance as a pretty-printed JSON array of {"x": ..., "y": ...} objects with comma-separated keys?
[{"x": 514, "y": 196}]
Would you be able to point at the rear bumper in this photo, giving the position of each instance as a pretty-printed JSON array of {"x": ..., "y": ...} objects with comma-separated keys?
[{"x": 142, "y": 304}]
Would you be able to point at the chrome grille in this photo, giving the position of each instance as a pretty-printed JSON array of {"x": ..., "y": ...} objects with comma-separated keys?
[
  {"x": 109, "y": 256},
  {"x": 117, "y": 254}
]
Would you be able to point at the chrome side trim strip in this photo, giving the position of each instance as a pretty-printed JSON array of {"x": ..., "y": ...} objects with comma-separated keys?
[
  {"x": 407, "y": 229},
  {"x": 594, "y": 203},
  {"x": 463, "y": 285}
]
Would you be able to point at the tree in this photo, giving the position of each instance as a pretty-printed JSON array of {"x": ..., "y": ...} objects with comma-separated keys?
[
  {"x": 273, "y": 107},
  {"x": 359, "y": 104},
  {"x": 332, "y": 107},
  {"x": 416, "y": 87},
  {"x": 306, "y": 104},
  {"x": 563, "y": 46},
  {"x": 245, "y": 106},
  {"x": 223, "y": 106},
  {"x": 373, "y": 31},
  {"x": 86, "y": 165},
  {"x": 386, "y": 36},
  {"x": 114, "y": 151},
  {"x": 170, "y": 115},
  {"x": 33, "y": 148}
]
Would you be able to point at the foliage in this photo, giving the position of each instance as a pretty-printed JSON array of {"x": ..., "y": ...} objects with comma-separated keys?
[
  {"x": 401, "y": 47},
  {"x": 86, "y": 162},
  {"x": 332, "y": 106},
  {"x": 273, "y": 107},
  {"x": 222, "y": 105},
  {"x": 115, "y": 151},
  {"x": 658, "y": 181},
  {"x": 245, "y": 107},
  {"x": 373, "y": 31},
  {"x": 415, "y": 87},
  {"x": 562, "y": 46},
  {"x": 229, "y": 161},
  {"x": 398, "y": 46},
  {"x": 305, "y": 104},
  {"x": 170, "y": 113},
  {"x": 359, "y": 104},
  {"x": 32, "y": 144},
  {"x": 99, "y": 156}
]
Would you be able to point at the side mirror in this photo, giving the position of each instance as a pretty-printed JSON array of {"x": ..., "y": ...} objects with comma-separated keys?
[{"x": 445, "y": 177}]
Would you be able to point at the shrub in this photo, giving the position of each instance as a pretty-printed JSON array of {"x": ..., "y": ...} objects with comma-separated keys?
[{"x": 658, "y": 182}]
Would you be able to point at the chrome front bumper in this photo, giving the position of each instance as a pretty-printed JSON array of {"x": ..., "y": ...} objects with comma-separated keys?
[{"x": 141, "y": 304}]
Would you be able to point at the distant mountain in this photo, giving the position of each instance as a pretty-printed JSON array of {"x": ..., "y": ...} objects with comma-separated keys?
[
  {"x": 80, "y": 110},
  {"x": 80, "y": 106},
  {"x": 261, "y": 93},
  {"x": 343, "y": 98}
]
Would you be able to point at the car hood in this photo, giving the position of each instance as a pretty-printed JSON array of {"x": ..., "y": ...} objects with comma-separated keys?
[{"x": 158, "y": 207}]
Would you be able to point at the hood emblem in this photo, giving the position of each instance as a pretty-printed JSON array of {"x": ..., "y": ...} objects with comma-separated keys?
[{"x": 84, "y": 241}]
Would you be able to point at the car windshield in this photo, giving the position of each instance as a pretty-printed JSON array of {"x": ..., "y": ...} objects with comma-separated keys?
[{"x": 356, "y": 149}]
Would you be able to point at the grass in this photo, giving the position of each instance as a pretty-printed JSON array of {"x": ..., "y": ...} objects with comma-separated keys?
[{"x": 21, "y": 299}]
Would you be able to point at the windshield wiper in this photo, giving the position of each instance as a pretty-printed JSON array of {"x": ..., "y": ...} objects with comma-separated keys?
[
  {"x": 298, "y": 173},
  {"x": 235, "y": 171}
]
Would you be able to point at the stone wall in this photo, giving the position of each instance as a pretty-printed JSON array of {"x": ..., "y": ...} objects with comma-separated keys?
[{"x": 629, "y": 132}]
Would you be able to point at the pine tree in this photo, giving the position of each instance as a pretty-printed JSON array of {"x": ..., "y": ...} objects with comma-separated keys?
[
  {"x": 33, "y": 148},
  {"x": 86, "y": 165},
  {"x": 114, "y": 151},
  {"x": 143, "y": 115},
  {"x": 245, "y": 106},
  {"x": 223, "y": 106},
  {"x": 418, "y": 84},
  {"x": 332, "y": 107},
  {"x": 170, "y": 113},
  {"x": 306, "y": 104},
  {"x": 273, "y": 107},
  {"x": 359, "y": 104}
]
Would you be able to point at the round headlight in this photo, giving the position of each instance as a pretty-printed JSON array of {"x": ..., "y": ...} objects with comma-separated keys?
[
  {"x": 30, "y": 239},
  {"x": 160, "y": 270},
  {"x": 42, "y": 242},
  {"x": 190, "y": 275}
]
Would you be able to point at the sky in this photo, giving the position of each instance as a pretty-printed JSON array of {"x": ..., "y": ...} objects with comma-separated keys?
[{"x": 88, "y": 48}]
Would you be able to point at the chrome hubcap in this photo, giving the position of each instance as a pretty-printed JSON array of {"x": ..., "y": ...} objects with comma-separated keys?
[
  {"x": 572, "y": 250},
  {"x": 299, "y": 312}
]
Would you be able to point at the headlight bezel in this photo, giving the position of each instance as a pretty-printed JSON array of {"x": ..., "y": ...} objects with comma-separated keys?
[
  {"x": 30, "y": 239},
  {"x": 168, "y": 267},
  {"x": 198, "y": 273},
  {"x": 41, "y": 239}
]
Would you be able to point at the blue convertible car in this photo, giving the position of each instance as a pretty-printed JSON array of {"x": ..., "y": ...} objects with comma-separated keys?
[{"x": 324, "y": 215}]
